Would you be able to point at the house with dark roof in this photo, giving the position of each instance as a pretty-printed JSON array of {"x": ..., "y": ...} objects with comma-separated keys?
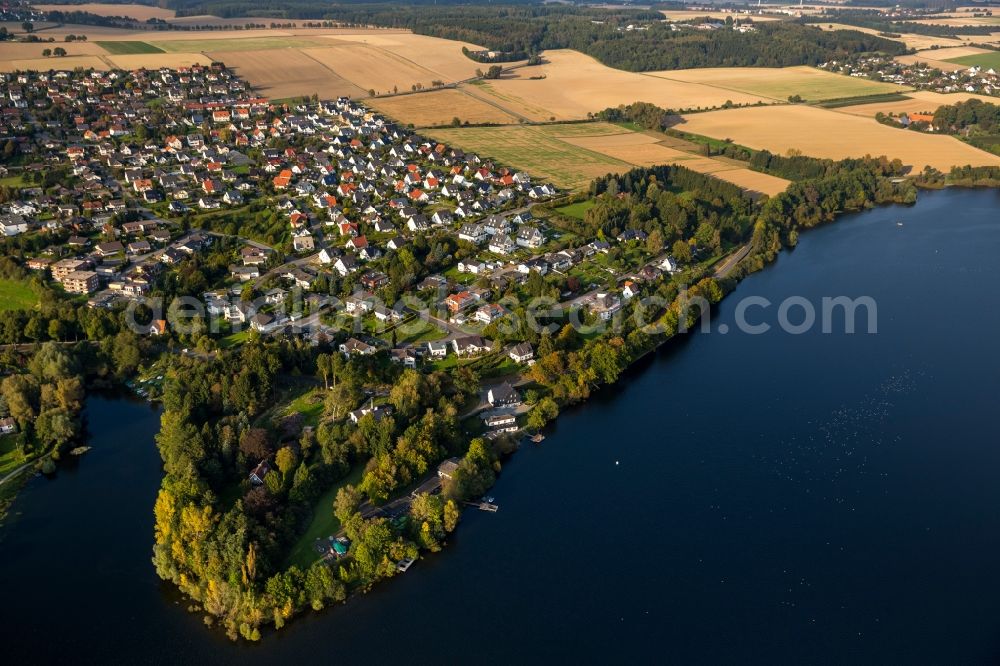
[{"x": 504, "y": 395}]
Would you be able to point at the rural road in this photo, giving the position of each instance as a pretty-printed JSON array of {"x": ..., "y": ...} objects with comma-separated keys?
[{"x": 729, "y": 264}]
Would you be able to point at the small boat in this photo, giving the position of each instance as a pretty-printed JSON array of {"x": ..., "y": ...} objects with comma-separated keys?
[
  {"x": 79, "y": 451},
  {"x": 899, "y": 224},
  {"x": 538, "y": 439}
]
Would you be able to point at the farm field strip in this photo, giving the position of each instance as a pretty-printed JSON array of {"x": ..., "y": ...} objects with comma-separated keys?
[
  {"x": 299, "y": 74},
  {"x": 572, "y": 155},
  {"x": 811, "y": 84},
  {"x": 439, "y": 107},
  {"x": 372, "y": 68},
  {"x": 157, "y": 60},
  {"x": 923, "y": 101},
  {"x": 536, "y": 150},
  {"x": 237, "y": 44},
  {"x": 135, "y": 11},
  {"x": 643, "y": 149},
  {"x": 569, "y": 85},
  {"x": 123, "y": 47},
  {"x": 824, "y": 133},
  {"x": 986, "y": 60},
  {"x": 44, "y": 64}
]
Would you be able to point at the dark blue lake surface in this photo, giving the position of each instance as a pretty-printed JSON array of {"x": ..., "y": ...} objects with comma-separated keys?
[{"x": 736, "y": 498}]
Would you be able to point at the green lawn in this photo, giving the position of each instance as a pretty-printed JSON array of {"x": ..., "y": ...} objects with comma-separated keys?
[
  {"x": 323, "y": 522},
  {"x": 10, "y": 457},
  {"x": 309, "y": 405},
  {"x": 234, "y": 339},
  {"x": 989, "y": 60},
  {"x": 17, "y": 180},
  {"x": 16, "y": 295},
  {"x": 415, "y": 331},
  {"x": 577, "y": 210},
  {"x": 129, "y": 48}
]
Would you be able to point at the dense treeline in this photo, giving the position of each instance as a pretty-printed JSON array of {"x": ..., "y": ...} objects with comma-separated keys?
[
  {"x": 853, "y": 185},
  {"x": 644, "y": 114},
  {"x": 972, "y": 116},
  {"x": 669, "y": 204},
  {"x": 970, "y": 176},
  {"x": 801, "y": 167}
]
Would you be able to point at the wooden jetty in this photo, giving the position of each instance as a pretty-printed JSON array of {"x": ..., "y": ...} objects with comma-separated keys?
[{"x": 484, "y": 506}]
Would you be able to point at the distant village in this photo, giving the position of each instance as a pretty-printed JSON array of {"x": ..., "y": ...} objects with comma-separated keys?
[{"x": 920, "y": 75}]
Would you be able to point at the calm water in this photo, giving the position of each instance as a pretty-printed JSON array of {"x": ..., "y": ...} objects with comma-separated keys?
[{"x": 813, "y": 498}]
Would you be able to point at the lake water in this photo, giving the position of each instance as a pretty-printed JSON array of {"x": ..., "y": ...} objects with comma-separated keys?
[{"x": 736, "y": 498}]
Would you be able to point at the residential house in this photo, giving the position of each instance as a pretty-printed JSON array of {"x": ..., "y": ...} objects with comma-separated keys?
[
  {"x": 504, "y": 395},
  {"x": 469, "y": 344},
  {"x": 354, "y": 346},
  {"x": 522, "y": 353},
  {"x": 437, "y": 349}
]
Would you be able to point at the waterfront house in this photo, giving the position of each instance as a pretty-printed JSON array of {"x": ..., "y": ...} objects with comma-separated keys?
[
  {"x": 504, "y": 395},
  {"x": 447, "y": 469}
]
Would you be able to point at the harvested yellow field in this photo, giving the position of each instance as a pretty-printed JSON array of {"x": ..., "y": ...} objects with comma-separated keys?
[
  {"x": 952, "y": 52},
  {"x": 45, "y": 64},
  {"x": 439, "y": 107},
  {"x": 138, "y": 12},
  {"x": 287, "y": 73},
  {"x": 156, "y": 60},
  {"x": 443, "y": 57},
  {"x": 243, "y": 43},
  {"x": 280, "y": 62},
  {"x": 780, "y": 83},
  {"x": 826, "y": 133},
  {"x": 32, "y": 50},
  {"x": 930, "y": 62},
  {"x": 923, "y": 101},
  {"x": 371, "y": 68},
  {"x": 570, "y": 84}
]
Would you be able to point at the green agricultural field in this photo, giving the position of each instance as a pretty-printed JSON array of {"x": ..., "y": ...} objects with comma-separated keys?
[
  {"x": 17, "y": 295},
  {"x": 240, "y": 44},
  {"x": 538, "y": 150},
  {"x": 989, "y": 60},
  {"x": 129, "y": 48}
]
